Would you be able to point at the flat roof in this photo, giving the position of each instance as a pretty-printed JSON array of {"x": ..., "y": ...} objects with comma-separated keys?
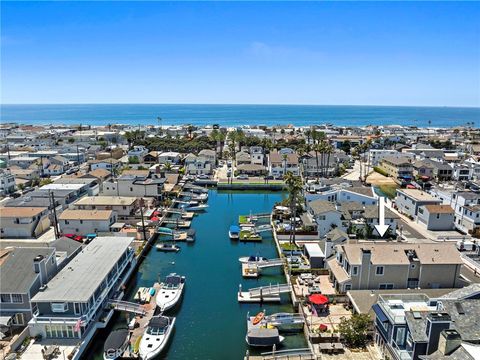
[
  {"x": 84, "y": 274},
  {"x": 418, "y": 195},
  {"x": 107, "y": 200},
  {"x": 85, "y": 214},
  {"x": 58, "y": 186},
  {"x": 18, "y": 212},
  {"x": 314, "y": 250}
]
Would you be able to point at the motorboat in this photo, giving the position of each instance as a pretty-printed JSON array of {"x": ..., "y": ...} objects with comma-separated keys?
[
  {"x": 286, "y": 322},
  {"x": 156, "y": 336},
  {"x": 253, "y": 260},
  {"x": 191, "y": 233},
  {"x": 263, "y": 337},
  {"x": 116, "y": 344},
  {"x": 168, "y": 247},
  {"x": 197, "y": 207},
  {"x": 170, "y": 291},
  {"x": 234, "y": 232}
]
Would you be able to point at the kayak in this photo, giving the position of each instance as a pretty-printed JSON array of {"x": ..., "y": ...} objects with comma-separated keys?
[{"x": 258, "y": 318}]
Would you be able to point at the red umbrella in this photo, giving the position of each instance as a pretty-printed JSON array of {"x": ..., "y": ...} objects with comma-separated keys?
[
  {"x": 155, "y": 218},
  {"x": 318, "y": 299}
]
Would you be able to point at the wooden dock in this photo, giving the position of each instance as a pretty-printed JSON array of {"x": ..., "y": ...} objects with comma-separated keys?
[
  {"x": 180, "y": 223},
  {"x": 141, "y": 324}
]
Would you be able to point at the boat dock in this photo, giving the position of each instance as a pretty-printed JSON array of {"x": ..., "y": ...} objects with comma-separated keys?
[
  {"x": 178, "y": 222},
  {"x": 186, "y": 215},
  {"x": 269, "y": 293},
  {"x": 253, "y": 270},
  {"x": 141, "y": 321}
]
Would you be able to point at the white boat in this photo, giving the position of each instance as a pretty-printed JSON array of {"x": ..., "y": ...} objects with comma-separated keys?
[
  {"x": 116, "y": 344},
  {"x": 234, "y": 232},
  {"x": 253, "y": 260},
  {"x": 170, "y": 291},
  {"x": 198, "y": 207},
  {"x": 156, "y": 336},
  {"x": 167, "y": 248}
]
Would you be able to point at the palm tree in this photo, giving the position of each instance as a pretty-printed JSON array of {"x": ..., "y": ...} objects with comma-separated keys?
[
  {"x": 232, "y": 136},
  {"x": 317, "y": 148},
  {"x": 329, "y": 151},
  {"x": 294, "y": 189},
  {"x": 168, "y": 166}
]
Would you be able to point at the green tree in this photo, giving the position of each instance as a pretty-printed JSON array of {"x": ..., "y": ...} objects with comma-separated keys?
[
  {"x": 294, "y": 189},
  {"x": 133, "y": 160},
  {"x": 354, "y": 330}
]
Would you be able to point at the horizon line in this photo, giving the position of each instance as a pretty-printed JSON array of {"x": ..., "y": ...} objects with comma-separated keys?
[{"x": 250, "y": 104}]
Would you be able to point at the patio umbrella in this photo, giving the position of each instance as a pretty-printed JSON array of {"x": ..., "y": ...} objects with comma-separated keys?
[{"x": 318, "y": 299}]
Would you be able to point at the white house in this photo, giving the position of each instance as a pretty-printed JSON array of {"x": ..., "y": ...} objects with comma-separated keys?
[
  {"x": 82, "y": 222},
  {"x": 23, "y": 222},
  {"x": 169, "y": 157},
  {"x": 7, "y": 182}
]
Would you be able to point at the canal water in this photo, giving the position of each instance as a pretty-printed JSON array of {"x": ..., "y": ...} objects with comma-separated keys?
[{"x": 211, "y": 324}]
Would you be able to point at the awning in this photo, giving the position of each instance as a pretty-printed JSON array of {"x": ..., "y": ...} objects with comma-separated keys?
[
  {"x": 318, "y": 299},
  {"x": 379, "y": 313}
]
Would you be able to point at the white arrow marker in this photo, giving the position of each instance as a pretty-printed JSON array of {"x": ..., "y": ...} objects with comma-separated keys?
[{"x": 381, "y": 227}]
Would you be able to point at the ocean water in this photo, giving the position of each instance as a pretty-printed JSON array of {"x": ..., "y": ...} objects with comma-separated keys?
[{"x": 232, "y": 115}]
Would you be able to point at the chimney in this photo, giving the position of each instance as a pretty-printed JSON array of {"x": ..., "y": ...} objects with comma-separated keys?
[
  {"x": 436, "y": 323},
  {"x": 449, "y": 341}
]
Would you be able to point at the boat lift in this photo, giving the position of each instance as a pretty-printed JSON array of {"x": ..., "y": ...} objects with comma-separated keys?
[{"x": 127, "y": 306}]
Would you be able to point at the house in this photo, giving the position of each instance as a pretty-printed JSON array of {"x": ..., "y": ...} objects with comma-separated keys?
[
  {"x": 73, "y": 305},
  {"x": 436, "y": 217},
  {"x": 333, "y": 238},
  {"x": 134, "y": 185},
  {"x": 242, "y": 158},
  {"x": 209, "y": 155},
  {"x": 151, "y": 157},
  {"x": 324, "y": 214},
  {"x": 83, "y": 222},
  {"x": 409, "y": 200},
  {"x": 53, "y": 170},
  {"x": 170, "y": 157},
  {"x": 138, "y": 152},
  {"x": 7, "y": 182},
  {"x": 197, "y": 165},
  {"x": 24, "y": 162},
  {"x": 377, "y": 155},
  {"x": 417, "y": 326},
  {"x": 279, "y": 163},
  {"x": 328, "y": 167},
  {"x": 109, "y": 164},
  {"x": 385, "y": 265},
  {"x": 123, "y": 206},
  {"x": 463, "y": 172},
  {"x": 23, "y": 271},
  {"x": 399, "y": 168},
  {"x": 59, "y": 160},
  {"x": 467, "y": 211},
  {"x": 23, "y": 222},
  {"x": 361, "y": 194},
  {"x": 442, "y": 171},
  {"x": 251, "y": 169},
  {"x": 423, "y": 169},
  {"x": 257, "y": 156}
]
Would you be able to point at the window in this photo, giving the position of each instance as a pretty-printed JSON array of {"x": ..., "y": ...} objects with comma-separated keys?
[
  {"x": 77, "y": 309},
  {"x": 354, "y": 270},
  {"x": 348, "y": 287},
  {"x": 379, "y": 270},
  {"x": 385, "y": 286},
  {"x": 17, "y": 298},
  {"x": 59, "y": 307},
  {"x": 66, "y": 222},
  {"x": 81, "y": 221},
  {"x": 5, "y": 298}
]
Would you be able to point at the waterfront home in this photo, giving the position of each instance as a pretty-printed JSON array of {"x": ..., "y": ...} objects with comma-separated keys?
[
  {"x": 197, "y": 165},
  {"x": 23, "y": 222},
  {"x": 242, "y": 158},
  {"x": 251, "y": 169},
  {"x": 416, "y": 326},
  {"x": 408, "y": 201},
  {"x": 134, "y": 185},
  {"x": 325, "y": 215},
  {"x": 7, "y": 182},
  {"x": 436, "y": 217},
  {"x": 75, "y": 303},
  {"x": 399, "y": 168},
  {"x": 279, "y": 163},
  {"x": 123, "y": 206},
  {"x": 83, "y": 222},
  {"x": 23, "y": 271},
  {"x": 395, "y": 266}
]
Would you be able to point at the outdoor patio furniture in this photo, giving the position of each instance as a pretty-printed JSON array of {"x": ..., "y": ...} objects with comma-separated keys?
[{"x": 331, "y": 348}]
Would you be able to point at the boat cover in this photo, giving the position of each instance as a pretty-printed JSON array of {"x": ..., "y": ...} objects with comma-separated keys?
[
  {"x": 173, "y": 279},
  {"x": 159, "y": 321},
  {"x": 116, "y": 339},
  {"x": 234, "y": 229},
  {"x": 263, "y": 337}
]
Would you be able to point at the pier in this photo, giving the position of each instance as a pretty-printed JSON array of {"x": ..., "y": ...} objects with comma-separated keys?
[
  {"x": 253, "y": 269},
  {"x": 269, "y": 293}
]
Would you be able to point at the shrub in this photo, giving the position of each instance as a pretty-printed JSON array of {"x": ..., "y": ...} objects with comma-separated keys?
[{"x": 380, "y": 171}]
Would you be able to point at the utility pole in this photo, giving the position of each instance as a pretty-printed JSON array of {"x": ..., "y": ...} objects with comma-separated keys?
[
  {"x": 55, "y": 221},
  {"x": 78, "y": 157},
  {"x": 143, "y": 222}
]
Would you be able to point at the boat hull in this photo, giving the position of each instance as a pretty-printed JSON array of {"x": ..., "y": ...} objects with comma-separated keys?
[
  {"x": 160, "y": 342},
  {"x": 167, "y": 299}
]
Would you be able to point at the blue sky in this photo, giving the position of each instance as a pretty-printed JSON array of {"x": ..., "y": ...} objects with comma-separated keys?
[{"x": 222, "y": 52}]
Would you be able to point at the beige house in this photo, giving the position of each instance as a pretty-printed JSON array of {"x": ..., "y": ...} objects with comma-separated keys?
[
  {"x": 23, "y": 222},
  {"x": 82, "y": 222},
  {"x": 124, "y": 206},
  {"x": 368, "y": 266},
  {"x": 397, "y": 167}
]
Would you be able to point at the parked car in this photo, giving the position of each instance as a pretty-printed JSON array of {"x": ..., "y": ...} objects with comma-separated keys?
[
  {"x": 203, "y": 177},
  {"x": 242, "y": 177}
]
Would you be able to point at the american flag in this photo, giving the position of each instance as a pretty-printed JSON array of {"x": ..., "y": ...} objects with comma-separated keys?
[{"x": 78, "y": 324}]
